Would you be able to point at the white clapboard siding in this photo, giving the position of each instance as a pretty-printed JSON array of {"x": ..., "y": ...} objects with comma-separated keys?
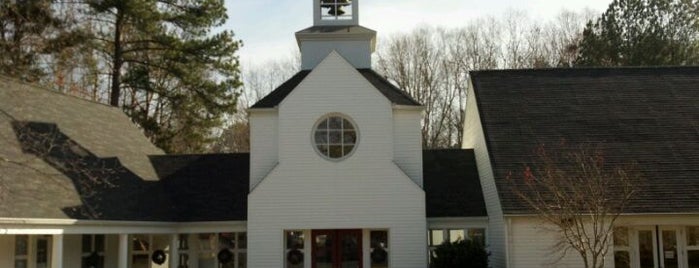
[
  {"x": 263, "y": 144},
  {"x": 407, "y": 143},
  {"x": 533, "y": 245},
  {"x": 475, "y": 139},
  {"x": 357, "y": 52},
  {"x": 365, "y": 191}
]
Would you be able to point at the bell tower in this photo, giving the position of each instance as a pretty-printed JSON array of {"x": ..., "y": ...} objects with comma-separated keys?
[{"x": 336, "y": 28}]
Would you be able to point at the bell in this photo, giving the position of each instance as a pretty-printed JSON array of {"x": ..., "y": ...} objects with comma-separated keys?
[
  {"x": 335, "y": 6},
  {"x": 336, "y": 11}
]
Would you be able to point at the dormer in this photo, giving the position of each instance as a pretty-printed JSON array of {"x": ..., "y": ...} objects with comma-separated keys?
[{"x": 336, "y": 28}]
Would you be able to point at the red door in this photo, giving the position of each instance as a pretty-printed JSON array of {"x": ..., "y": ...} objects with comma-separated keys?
[{"x": 337, "y": 248}]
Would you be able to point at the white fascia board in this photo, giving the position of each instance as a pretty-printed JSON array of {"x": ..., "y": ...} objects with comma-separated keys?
[
  {"x": 262, "y": 110},
  {"x": 408, "y": 107},
  {"x": 301, "y": 36},
  {"x": 657, "y": 214},
  {"x": 456, "y": 222},
  {"x": 63, "y": 226}
]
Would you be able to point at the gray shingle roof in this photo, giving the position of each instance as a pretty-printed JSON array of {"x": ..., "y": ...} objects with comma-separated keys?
[
  {"x": 63, "y": 157},
  {"x": 645, "y": 115},
  {"x": 391, "y": 92}
]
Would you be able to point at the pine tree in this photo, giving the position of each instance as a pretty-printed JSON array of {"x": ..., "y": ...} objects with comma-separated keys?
[
  {"x": 169, "y": 72},
  {"x": 642, "y": 32},
  {"x": 28, "y": 30}
]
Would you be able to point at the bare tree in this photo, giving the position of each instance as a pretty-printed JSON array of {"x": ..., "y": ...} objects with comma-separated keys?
[
  {"x": 431, "y": 63},
  {"x": 580, "y": 193},
  {"x": 258, "y": 81},
  {"x": 428, "y": 64}
]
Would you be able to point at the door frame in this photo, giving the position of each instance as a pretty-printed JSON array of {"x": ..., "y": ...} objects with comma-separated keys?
[
  {"x": 336, "y": 234},
  {"x": 658, "y": 250},
  {"x": 680, "y": 246},
  {"x": 636, "y": 251}
]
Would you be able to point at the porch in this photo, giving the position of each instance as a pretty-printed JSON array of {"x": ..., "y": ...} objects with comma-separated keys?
[{"x": 55, "y": 244}]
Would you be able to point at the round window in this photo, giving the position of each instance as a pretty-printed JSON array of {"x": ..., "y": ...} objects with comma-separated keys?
[{"x": 335, "y": 137}]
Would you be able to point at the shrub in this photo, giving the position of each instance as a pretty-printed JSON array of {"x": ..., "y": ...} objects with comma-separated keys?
[{"x": 462, "y": 253}]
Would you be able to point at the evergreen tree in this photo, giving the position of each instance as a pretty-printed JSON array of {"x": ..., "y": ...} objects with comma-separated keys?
[
  {"x": 642, "y": 32},
  {"x": 173, "y": 76},
  {"x": 28, "y": 31}
]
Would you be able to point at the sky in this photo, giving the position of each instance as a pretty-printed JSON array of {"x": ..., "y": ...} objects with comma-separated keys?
[{"x": 267, "y": 27}]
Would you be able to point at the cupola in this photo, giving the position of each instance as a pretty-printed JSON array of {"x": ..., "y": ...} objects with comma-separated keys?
[{"x": 336, "y": 28}]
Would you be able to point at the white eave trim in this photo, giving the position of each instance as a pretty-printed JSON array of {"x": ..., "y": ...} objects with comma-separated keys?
[
  {"x": 263, "y": 110},
  {"x": 622, "y": 214},
  {"x": 69, "y": 226},
  {"x": 339, "y": 36},
  {"x": 408, "y": 107}
]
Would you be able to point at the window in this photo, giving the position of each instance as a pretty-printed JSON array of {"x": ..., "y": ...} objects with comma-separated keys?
[
  {"x": 456, "y": 235},
  {"x": 335, "y": 137},
  {"x": 140, "y": 251},
  {"x": 21, "y": 251},
  {"x": 436, "y": 237},
  {"x": 477, "y": 235},
  {"x": 143, "y": 246},
  {"x": 693, "y": 246},
  {"x": 213, "y": 250},
  {"x": 92, "y": 251},
  {"x": 335, "y": 9},
  {"x": 32, "y": 251},
  {"x": 294, "y": 252},
  {"x": 621, "y": 247},
  {"x": 379, "y": 249}
]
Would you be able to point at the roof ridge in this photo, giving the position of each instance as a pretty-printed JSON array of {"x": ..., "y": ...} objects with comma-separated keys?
[{"x": 37, "y": 86}]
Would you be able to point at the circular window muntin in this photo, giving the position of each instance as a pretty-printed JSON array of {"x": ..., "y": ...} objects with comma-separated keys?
[{"x": 328, "y": 147}]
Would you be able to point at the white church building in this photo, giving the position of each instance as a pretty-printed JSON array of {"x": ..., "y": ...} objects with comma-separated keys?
[{"x": 337, "y": 175}]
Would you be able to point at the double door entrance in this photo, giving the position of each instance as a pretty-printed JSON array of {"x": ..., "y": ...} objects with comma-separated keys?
[
  {"x": 655, "y": 247},
  {"x": 337, "y": 248}
]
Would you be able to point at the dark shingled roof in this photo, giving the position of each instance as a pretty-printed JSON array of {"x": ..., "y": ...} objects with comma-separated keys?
[
  {"x": 277, "y": 95},
  {"x": 391, "y": 92},
  {"x": 451, "y": 183},
  {"x": 645, "y": 115},
  {"x": 208, "y": 187}
]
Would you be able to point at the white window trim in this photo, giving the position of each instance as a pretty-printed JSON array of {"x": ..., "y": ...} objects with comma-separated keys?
[{"x": 357, "y": 134}]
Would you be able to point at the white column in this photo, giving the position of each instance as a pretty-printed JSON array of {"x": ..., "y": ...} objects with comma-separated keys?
[
  {"x": 307, "y": 248},
  {"x": 57, "y": 251},
  {"x": 123, "y": 261},
  {"x": 174, "y": 256},
  {"x": 366, "y": 247}
]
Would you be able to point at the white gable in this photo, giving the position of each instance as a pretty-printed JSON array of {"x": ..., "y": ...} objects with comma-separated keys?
[{"x": 307, "y": 191}]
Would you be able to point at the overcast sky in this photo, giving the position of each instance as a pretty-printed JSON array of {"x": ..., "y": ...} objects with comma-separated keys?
[{"x": 267, "y": 27}]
